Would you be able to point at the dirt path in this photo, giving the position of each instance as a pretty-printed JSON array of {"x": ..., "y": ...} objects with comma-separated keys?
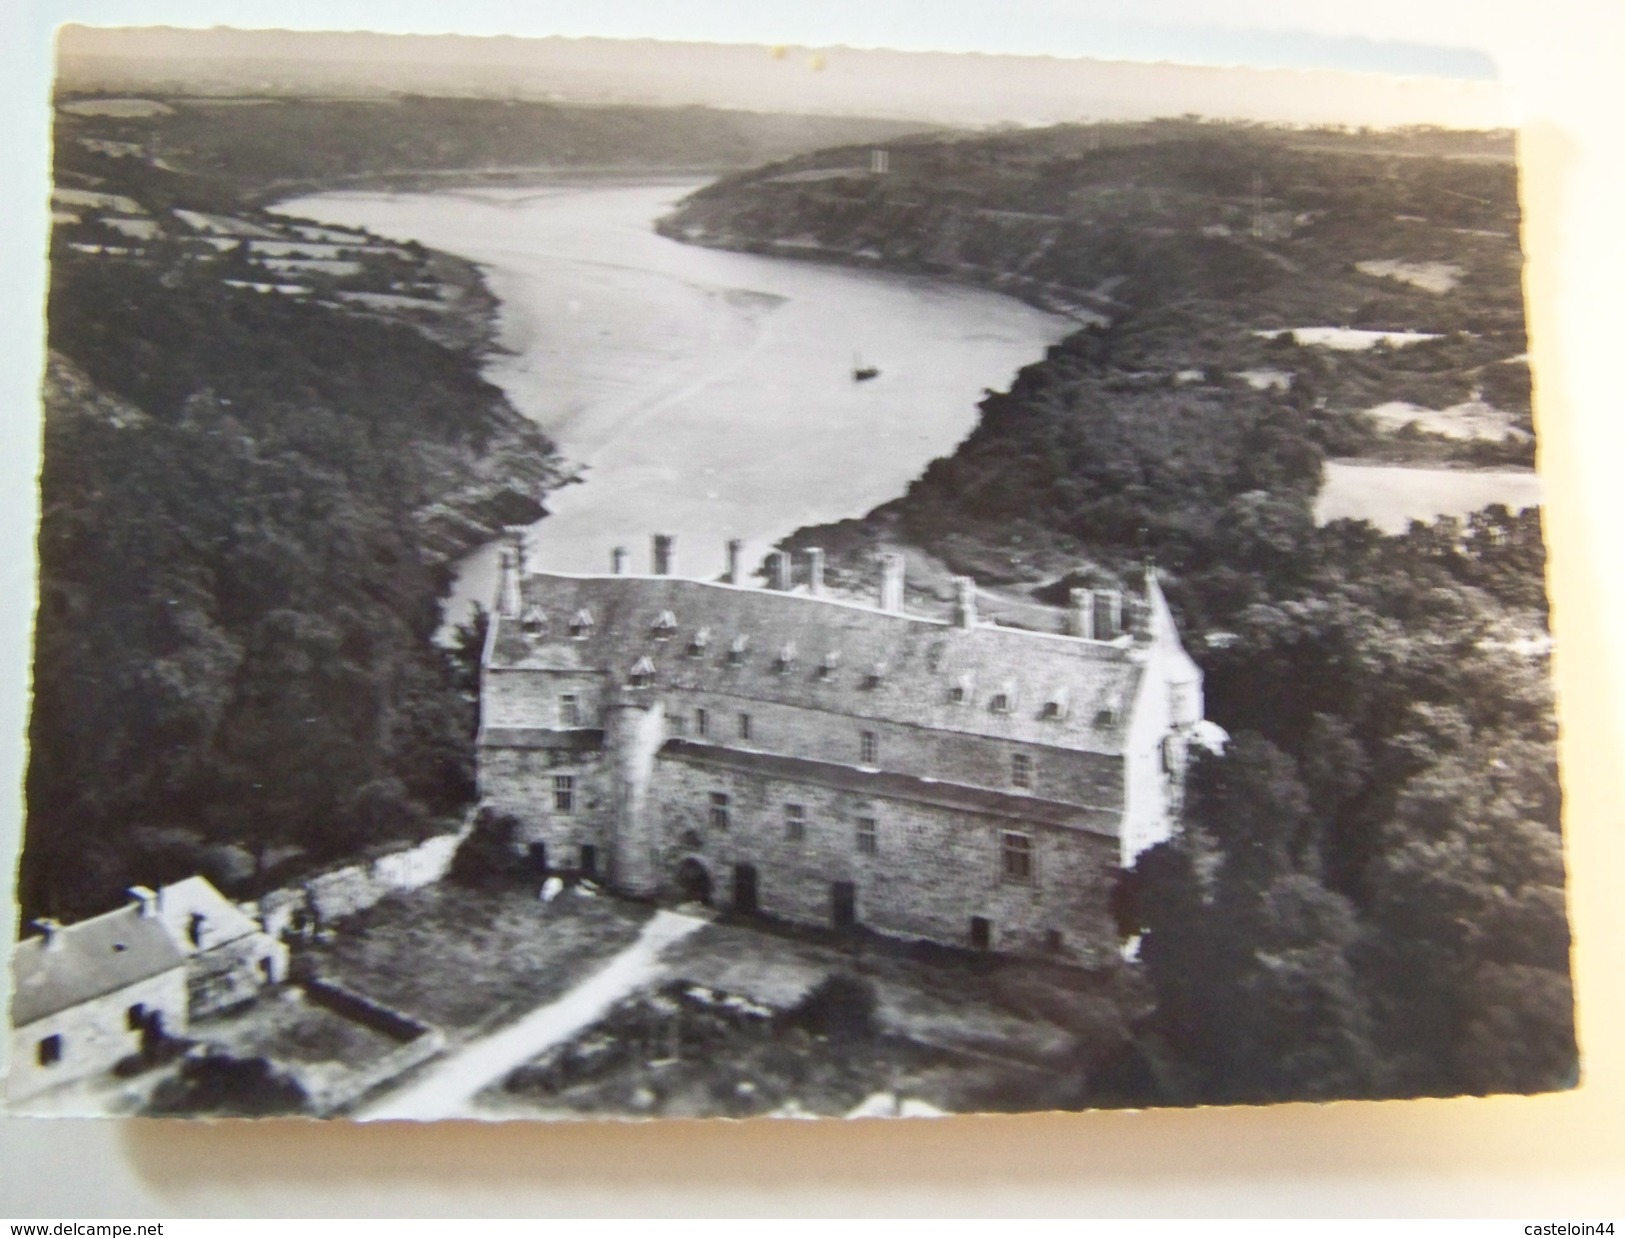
[{"x": 446, "y": 1087}]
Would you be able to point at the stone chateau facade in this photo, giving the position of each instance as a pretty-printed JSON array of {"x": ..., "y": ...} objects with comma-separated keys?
[{"x": 830, "y": 762}]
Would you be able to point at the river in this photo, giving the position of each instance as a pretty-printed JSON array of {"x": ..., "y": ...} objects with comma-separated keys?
[{"x": 709, "y": 394}]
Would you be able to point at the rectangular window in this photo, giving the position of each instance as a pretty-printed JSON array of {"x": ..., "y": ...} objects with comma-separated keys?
[
  {"x": 868, "y": 748},
  {"x": 719, "y": 810},
  {"x": 564, "y": 793},
  {"x": 1018, "y": 857},
  {"x": 1021, "y": 770},
  {"x": 702, "y": 722},
  {"x": 744, "y": 726},
  {"x": 868, "y": 837},
  {"x": 569, "y": 710},
  {"x": 795, "y": 822},
  {"x": 49, "y": 1051}
]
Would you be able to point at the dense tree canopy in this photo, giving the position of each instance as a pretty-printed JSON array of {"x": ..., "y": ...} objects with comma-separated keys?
[{"x": 234, "y": 657}]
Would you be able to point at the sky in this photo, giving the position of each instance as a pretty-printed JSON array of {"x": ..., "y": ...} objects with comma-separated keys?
[{"x": 960, "y": 89}]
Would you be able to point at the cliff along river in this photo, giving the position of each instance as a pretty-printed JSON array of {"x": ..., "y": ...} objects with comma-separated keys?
[{"x": 709, "y": 394}]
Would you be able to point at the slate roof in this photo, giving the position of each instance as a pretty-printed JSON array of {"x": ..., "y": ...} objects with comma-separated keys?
[
  {"x": 892, "y": 667},
  {"x": 1018, "y": 808},
  {"x": 92, "y": 958}
]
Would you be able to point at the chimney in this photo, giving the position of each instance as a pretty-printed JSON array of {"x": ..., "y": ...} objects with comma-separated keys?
[
  {"x": 964, "y": 602},
  {"x": 146, "y": 898},
  {"x": 1080, "y": 618},
  {"x": 665, "y": 554},
  {"x": 508, "y": 594},
  {"x": 619, "y": 560},
  {"x": 815, "y": 571},
  {"x": 1108, "y": 614},
  {"x": 891, "y": 582},
  {"x": 778, "y": 571},
  {"x": 736, "y": 548},
  {"x": 50, "y": 932}
]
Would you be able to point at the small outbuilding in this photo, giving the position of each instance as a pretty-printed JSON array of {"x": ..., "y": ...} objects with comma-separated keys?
[{"x": 90, "y": 994}]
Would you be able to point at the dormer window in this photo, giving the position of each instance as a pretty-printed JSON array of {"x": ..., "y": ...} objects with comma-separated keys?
[
  {"x": 1055, "y": 706},
  {"x": 665, "y": 625},
  {"x": 876, "y": 676},
  {"x": 1004, "y": 700},
  {"x": 1111, "y": 707},
  {"x": 737, "y": 650},
  {"x": 700, "y": 643},
  {"x": 964, "y": 688},
  {"x": 787, "y": 658},
  {"x": 830, "y": 664},
  {"x": 643, "y": 672},
  {"x": 534, "y": 621},
  {"x": 581, "y": 624}
]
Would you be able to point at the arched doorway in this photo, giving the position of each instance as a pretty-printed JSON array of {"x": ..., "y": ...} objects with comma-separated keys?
[{"x": 693, "y": 882}]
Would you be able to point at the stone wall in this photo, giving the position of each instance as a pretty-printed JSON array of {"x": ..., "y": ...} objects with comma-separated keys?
[
  {"x": 531, "y": 699},
  {"x": 932, "y": 871},
  {"x": 976, "y": 760},
  {"x": 936, "y": 867},
  {"x": 517, "y": 697},
  {"x": 519, "y": 782},
  {"x": 417, "y": 1043},
  {"x": 343, "y": 891}
]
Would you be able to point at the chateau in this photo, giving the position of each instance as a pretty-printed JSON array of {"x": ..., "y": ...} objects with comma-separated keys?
[{"x": 784, "y": 751}]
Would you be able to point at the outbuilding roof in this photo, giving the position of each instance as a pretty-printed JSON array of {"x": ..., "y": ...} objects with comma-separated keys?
[
  {"x": 198, "y": 917},
  {"x": 924, "y": 660},
  {"x": 88, "y": 960}
]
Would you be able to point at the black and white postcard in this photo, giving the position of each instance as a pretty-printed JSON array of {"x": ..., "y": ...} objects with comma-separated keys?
[{"x": 588, "y": 579}]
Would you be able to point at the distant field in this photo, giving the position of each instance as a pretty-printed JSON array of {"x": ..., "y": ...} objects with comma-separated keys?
[{"x": 1391, "y": 497}]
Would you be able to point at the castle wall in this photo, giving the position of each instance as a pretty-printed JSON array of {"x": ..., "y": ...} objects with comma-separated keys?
[
  {"x": 933, "y": 868},
  {"x": 531, "y": 698},
  {"x": 1057, "y": 773},
  {"x": 519, "y": 782}
]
